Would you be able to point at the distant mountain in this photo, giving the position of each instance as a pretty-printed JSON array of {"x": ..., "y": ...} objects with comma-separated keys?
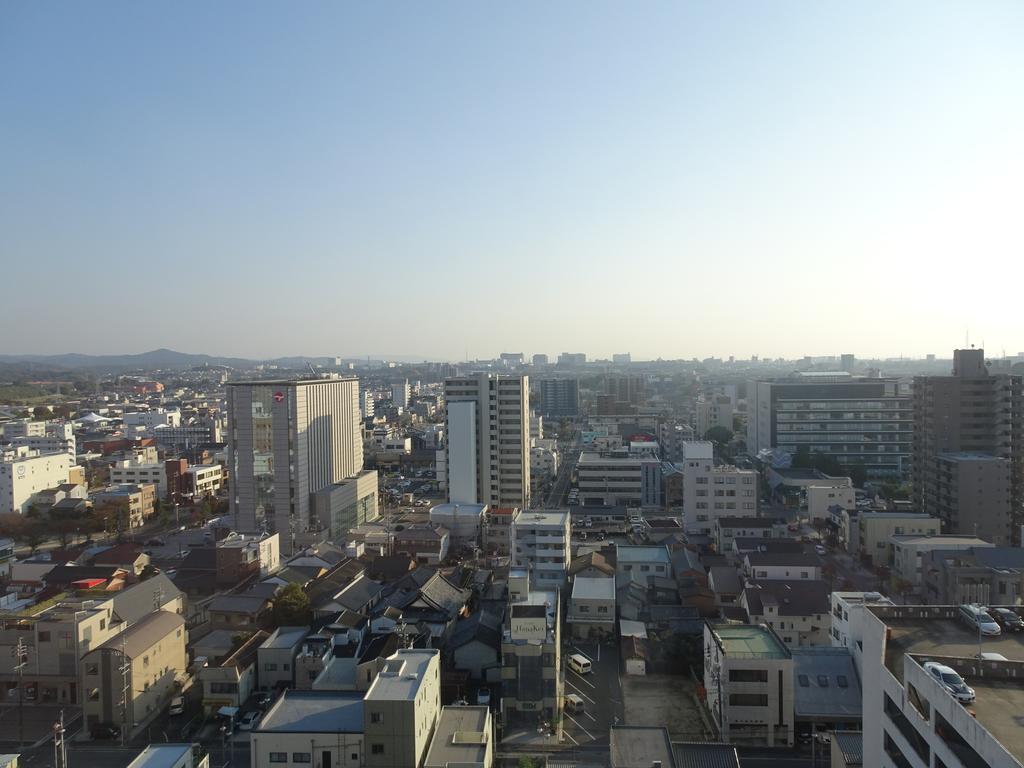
[{"x": 158, "y": 358}]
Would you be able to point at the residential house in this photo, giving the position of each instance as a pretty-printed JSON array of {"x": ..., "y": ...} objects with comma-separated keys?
[
  {"x": 475, "y": 645},
  {"x": 230, "y": 681},
  {"x": 591, "y": 614},
  {"x": 427, "y": 543},
  {"x": 276, "y": 657},
  {"x": 640, "y": 563},
  {"x": 130, "y": 557},
  {"x": 726, "y": 530},
  {"x": 766, "y": 566},
  {"x": 144, "y": 660},
  {"x": 243, "y": 613},
  {"x": 798, "y": 611}
]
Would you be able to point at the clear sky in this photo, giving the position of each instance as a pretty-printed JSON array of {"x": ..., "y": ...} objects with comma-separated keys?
[{"x": 677, "y": 179}]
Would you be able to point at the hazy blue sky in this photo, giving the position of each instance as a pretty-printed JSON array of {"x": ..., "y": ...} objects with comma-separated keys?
[{"x": 671, "y": 179}]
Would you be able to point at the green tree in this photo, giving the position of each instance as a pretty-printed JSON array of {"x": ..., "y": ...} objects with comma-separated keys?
[
  {"x": 527, "y": 762},
  {"x": 720, "y": 436},
  {"x": 33, "y": 533},
  {"x": 291, "y": 607}
]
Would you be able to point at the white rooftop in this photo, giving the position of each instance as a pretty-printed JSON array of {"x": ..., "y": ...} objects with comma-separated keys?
[
  {"x": 402, "y": 674},
  {"x": 700, "y": 449},
  {"x": 555, "y": 519},
  {"x": 161, "y": 756}
]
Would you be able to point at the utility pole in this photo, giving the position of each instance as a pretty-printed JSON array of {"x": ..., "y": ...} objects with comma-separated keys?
[
  {"x": 60, "y": 751},
  {"x": 126, "y": 683},
  {"x": 20, "y": 653}
]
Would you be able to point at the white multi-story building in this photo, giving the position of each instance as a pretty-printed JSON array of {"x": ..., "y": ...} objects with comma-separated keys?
[
  {"x": 487, "y": 423},
  {"x": 367, "y": 403},
  {"x": 204, "y": 479},
  {"x": 911, "y": 719},
  {"x": 908, "y": 550},
  {"x": 150, "y": 420},
  {"x": 287, "y": 440},
  {"x": 310, "y": 728},
  {"x": 42, "y": 436},
  {"x": 610, "y": 480},
  {"x": 541, "y": 544},
  {"x": 822, "y": 497},
  {"x": 712, "y": 491},
  {"x": 132, "y": 472},
  {"x": 847, "y": 616},
  {"x": 748, "y": 676},
  {"x": 24, "y": 472},
  {"x": 401, "y": 709}
]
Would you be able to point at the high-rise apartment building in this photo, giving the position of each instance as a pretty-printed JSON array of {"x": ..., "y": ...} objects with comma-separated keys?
[
  {"x": 487, "y": 423},
  {"x": 857, "y": 421},
  {"x": 712, "y": 491},
  {"x": 288, "y": 440},
  {"x": 560, "y": 397},
  {"x": 969, "y": 412},
  {"x": 400, "y": 393}
]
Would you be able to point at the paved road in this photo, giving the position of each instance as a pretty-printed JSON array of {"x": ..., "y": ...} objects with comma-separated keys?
[{"x": 556, "y": 498}]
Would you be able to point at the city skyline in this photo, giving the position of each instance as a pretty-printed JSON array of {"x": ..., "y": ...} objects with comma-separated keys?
[{"x": 686, "y": 181}]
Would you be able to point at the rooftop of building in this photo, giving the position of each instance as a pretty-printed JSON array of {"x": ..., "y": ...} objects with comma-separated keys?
[
  {"x": 402, "y": 674},
  {"x": 749, "y": 641},
  {"x": 642, "y": 553},
  {"x": 289, "y": 382},
  {"x": 749, "y": 522},
  {"x": 634, "y": 746},
  {"x": 143, "y": 635},
  {"x": 868, "y": 515},
  {"x": 698, "y": 449},
  {"x": 160, "y": 756},
  {"x": 315, "y": 712},
  {"x": 286, "y": 637},
  {"x": 460, "y": 737},
  {"x": 939, "y": 539},
  {"x": 555, "y": 519},
  {"x": 705, "y": 754},
  {"x": 864, "y": 598},
  {"x": 459, "y": 509},
  {"x": 593, "y": 457},
  {"x": 826, "y": 684},
  {"x": 933, "y": 633},
  {"x": 585, "y": 588}
]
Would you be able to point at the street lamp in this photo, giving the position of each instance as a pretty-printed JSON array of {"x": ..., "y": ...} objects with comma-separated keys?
[{"x": 20, "y": 653}]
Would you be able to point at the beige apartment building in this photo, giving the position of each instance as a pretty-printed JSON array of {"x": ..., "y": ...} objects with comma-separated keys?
[
  {"x": 401, "y": 709},
  {"x": 487, "y": 423},
  {"x": 131, "y": 677},
  {"x": 58, "y": 635},
  {"x": 134, "y": 503},
  {"x": 876, "y": 528}
]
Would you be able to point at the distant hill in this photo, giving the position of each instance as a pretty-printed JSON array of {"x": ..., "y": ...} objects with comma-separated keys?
[{"x": 158, "y": 358}]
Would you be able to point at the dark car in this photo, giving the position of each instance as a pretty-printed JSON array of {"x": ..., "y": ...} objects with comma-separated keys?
[
  {"x": 105, "y": 731},
  {"x": 1007, "y": 619},
  {"x": 156, "y": 541}
]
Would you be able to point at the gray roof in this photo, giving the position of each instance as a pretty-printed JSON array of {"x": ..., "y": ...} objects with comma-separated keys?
[
  {"x": 460, "y": 738},
  {"x": 784, "y": 558},
  {"x": 634, "y": 746},
  {"x": 238, "y": 604},
  {"x": 143, "y": 635},
  {"x": 692, "y": 754},
  {"x": 160, "y": 756},
  {"x": 135, "y": 602},
  {"x": 357, "y": 594},
  {"x": 851, "y": 744},
  {"x": 315, "y": 712},
  {"x": 800, "y": 597},
  {"x": 584, "y": 588},
  {"x": 286, "y": 637},
  {"x": 825, "y": 683},
  {"x": 725, "y": 579},
  {"x": 642, "y": 553}
]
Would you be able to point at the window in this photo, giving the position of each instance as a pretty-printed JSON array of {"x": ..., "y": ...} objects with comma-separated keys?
[
  {"x": 748, "y": 675},
  {"x": 44, "y": 637},
  {"x": 268, "y": 667},
  {"x": 376, "y": 717},
  {"x": 301, "y": 757},
  {"x": 94, "y": 694},
  {"x": 823, "y": 681},
  {"x": 803, "y": 680},
  {"x": 377, "y": 749},
  {"x": 842, "y": 682},
  {"x": 279, "y": 757},
  {"x": 91, "y": 668},
  {"x": 748, "y": 699}
]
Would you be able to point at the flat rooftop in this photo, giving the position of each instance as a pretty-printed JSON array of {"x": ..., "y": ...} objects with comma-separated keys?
[
  {"x": 315, "y": 712},
  {"x": 461, "y": 737},
  {"x": 999, "y": 701},
  {"x": 558, "y": 519},
  {"x": 402, "y": 674},
  {"x": 160, "y": 756},
  {"x": 749, "y": 640}
]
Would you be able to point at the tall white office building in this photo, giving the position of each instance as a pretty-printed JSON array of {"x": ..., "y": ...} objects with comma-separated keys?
[
  {"x": 288, "y": 440},
  {"x": 487, "y": 423}
]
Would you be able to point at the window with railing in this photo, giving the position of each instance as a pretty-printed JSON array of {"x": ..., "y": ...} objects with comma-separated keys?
[{"x": 907, "y": 729}]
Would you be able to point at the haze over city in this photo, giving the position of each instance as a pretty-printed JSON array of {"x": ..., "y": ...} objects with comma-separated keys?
[{"x": 678, "y": 180}]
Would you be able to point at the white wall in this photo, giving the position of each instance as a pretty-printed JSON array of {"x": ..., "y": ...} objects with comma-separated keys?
[{"x": 462, "y": 451}]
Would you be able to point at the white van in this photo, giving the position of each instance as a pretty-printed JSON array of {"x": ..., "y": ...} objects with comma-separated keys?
[
  {"x": 579, "y": 664},
  {"x": 574, "y": 704}
]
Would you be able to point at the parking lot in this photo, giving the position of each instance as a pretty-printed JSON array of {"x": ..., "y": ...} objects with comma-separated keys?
[
  {"x": 664, "y": 700},
  {"x": 600, "y": 693},
  {"x": 38, "y": 721}
]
